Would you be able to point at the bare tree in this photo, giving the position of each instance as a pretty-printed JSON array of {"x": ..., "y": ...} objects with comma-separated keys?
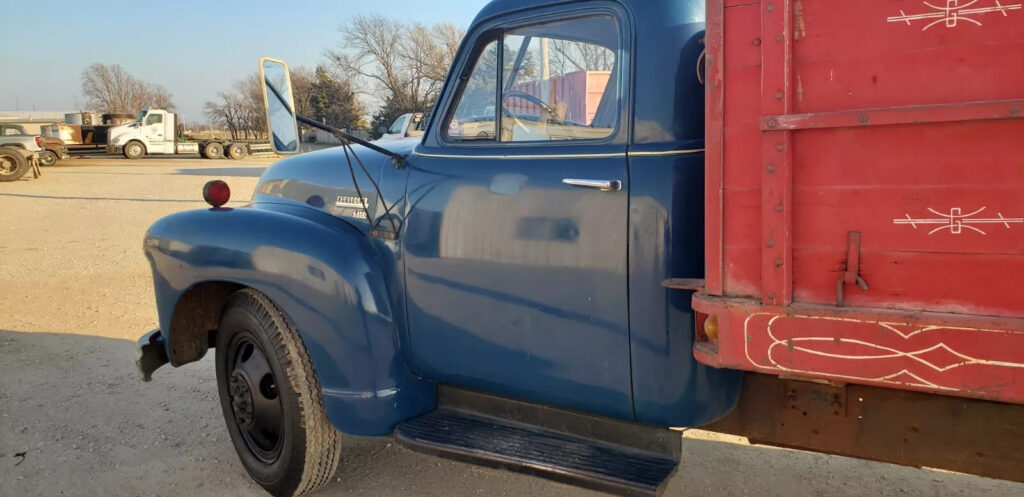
[
  {"x": 109, "y": 88},
  {"x": 401, "y": 64}
]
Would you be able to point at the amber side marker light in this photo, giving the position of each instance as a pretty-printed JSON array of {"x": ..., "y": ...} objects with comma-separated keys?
[
  {"x": 216, "y": 193},
  {"x": 711, "y": 327}
]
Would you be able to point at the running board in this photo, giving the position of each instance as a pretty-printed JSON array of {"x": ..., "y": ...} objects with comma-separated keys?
[{"x": 578, "y": 449}]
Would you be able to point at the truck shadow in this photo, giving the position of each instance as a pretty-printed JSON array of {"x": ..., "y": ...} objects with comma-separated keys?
[
  {"x": 251, "y": 172},
  {"x": 74, "y": 405}
]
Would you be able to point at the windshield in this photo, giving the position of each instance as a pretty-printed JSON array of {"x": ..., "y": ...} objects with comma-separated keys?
[{"x": 399, "y": 125}]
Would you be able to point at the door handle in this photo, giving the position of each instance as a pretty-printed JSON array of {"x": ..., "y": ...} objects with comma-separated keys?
[{"x": 605, "y": 185}]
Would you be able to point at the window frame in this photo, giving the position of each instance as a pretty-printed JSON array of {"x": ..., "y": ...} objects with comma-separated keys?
[{"x": 496, "y": 31}]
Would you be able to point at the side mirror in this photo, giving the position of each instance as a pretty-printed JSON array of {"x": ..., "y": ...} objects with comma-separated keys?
[{"x": 280, "y": 106}]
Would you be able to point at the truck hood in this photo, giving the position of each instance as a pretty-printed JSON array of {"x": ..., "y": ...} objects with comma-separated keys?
[
  {"x": 120, "y": 134},
  {"x": 321, "y": 180}
]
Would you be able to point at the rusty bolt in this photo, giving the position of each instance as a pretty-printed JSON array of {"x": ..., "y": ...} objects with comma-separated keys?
[
  {"x": 778, "y": 262},
  {"x": 1015, "y": 109},
  {"x": 780, "y": 146},
  {"x": 863, "y": 118},
  {"x": 770, "y": 243},
  {"x": 770, "y": 169},
  {"x": 778, "y": 207},
  {"x": 772, "y": 123},
  {"x": 757, "y": 42},
  {"x": 779, "y": 95},
  {"x": 771, "y": 7},
  {"x": 779, "y": 37},
  {"x": 771, "y": 296}
]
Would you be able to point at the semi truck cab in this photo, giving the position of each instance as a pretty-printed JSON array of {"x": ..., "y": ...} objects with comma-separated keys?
[
  {"x": 537, "y": 283},
  {"x": 157, "y": 132}
]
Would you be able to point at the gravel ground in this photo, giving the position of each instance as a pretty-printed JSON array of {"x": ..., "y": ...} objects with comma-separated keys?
[{"x": 76, "y": 293}]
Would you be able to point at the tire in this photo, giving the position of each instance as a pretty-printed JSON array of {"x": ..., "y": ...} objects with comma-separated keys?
[
  {"x": 134, "y": 150},
  {"x": 236, "y": 151},
  {"x": 214, "y": 150},
  {"x": 13, "y": 165},
  {"x": 271, "y": 399},
  {"x": 47, "y": 158}
]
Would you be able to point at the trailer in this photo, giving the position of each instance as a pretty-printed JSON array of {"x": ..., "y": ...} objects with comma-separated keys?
[
  {"x": 864, "y": 217},
  {"x": 156, "y": 132}
]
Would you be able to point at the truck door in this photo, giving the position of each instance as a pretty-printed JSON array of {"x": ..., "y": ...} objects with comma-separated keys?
[
  {"x": 516, "y": 240},
  {"x": 154, "y": 133}
]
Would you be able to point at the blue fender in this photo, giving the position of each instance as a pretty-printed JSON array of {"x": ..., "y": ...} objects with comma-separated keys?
[{"x": 325, "y": 275}]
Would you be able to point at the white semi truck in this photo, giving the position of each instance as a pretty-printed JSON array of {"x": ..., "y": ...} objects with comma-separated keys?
[{"x": 155, "y": 133}]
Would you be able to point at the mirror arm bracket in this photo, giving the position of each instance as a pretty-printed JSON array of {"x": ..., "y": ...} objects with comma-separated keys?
[{"x": 397, "y": 159}]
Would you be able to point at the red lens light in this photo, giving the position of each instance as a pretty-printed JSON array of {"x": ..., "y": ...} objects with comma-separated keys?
[
  {"x": 216, "y": 193},
  {"x": 39, "y": 142}
]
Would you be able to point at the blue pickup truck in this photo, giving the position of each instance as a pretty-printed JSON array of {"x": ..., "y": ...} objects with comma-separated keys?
[{"x": 494, "y": 291}]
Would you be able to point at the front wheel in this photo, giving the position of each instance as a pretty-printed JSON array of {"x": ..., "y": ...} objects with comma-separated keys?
[
  {"x": 47, "y": 158},
  {"x": 271, "y": 399},
  {"x": 12, "y": 164},
  {"x": 134, "y": 150}
]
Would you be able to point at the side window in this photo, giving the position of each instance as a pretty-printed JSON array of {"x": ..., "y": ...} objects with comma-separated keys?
[
  {"x": 559, "y": 80},
  {"x": 474, "y": 116},
  {"x": 398, "y": 125},
  {"x": 10, "y": 131},
  {"x": 154, "y": 119}
]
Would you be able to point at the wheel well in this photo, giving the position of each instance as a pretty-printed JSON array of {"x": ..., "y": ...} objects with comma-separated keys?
[
  {"x": 14, "y": 145},
  {"x": 195, "y": 320}
]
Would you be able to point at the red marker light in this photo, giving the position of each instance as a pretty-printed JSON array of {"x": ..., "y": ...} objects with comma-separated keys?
[{"x": 216, "y": 193}]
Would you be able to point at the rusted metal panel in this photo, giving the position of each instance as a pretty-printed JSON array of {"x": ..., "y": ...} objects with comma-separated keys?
[
  {"x": 685, "y": 283},
  {"x": 907, "y": 428}
]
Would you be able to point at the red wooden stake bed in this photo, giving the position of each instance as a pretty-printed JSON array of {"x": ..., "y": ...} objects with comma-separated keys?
[{"x": 865, "y": 192}]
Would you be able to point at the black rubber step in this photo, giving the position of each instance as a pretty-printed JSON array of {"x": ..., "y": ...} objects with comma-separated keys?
[{"x": 550, "y": 454}]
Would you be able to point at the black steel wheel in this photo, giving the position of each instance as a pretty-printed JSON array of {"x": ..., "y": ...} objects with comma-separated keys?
[
  {"x": 12, "y": 164},
  {"x": 134, "y": 150},
  {"x": 47, "y": 158},
  {"x": 271, "y": 399},
  {"x": 213, "y": 150}
]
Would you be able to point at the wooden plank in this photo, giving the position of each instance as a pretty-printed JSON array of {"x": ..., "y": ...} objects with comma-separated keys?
[
  {"x": 776, "y": 154},
  {"x": 919, "y": 114},
  {"x": 714, "y": 138}
]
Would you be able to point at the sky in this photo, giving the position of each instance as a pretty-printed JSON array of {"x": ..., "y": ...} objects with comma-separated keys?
[{"x": 193, "y": 48}]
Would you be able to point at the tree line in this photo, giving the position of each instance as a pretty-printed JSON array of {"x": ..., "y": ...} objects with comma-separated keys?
[{"x": 392, "y": 66}]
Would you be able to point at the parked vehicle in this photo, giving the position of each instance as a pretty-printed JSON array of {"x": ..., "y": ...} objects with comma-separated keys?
[
  {"x": 808, "y": 235},
  {"x": 54, "y": 149},
  {"x": 406, "y": 125},
  {"x": 19, "y": 154},
  {"x": 155, "y": 132}
]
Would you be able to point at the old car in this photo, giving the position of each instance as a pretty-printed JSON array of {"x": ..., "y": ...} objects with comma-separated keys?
[
  {"x": 799, "y": 222},
  {"x": 53, "y": 149}
]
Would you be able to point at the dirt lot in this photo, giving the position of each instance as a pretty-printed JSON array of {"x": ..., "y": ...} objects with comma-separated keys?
[{"x": 76, "y": 293}]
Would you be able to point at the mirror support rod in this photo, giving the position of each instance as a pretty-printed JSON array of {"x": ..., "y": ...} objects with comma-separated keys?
[{"x": 397, "y": 159}]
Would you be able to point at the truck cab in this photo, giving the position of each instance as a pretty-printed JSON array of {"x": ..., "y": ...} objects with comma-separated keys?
[
  {"x": 156, "y": 132},
  {"x": 517, "y": 288}
]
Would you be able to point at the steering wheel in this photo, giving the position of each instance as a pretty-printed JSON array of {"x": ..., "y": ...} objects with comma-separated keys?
[{"x": 552, "y": 114}]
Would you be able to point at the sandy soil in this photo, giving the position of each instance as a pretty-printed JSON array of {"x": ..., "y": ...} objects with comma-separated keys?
[{"x": 76, "y": 293}]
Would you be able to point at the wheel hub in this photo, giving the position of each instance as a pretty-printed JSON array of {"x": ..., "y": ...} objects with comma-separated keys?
[{"x": 241, "y": 399}]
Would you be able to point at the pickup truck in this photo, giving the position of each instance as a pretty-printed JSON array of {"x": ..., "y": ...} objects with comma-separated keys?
[
  {"x": 19, "y": 154},
  {"x": 54, "y": 149},
  {"x": 794, "y": 221},
  {"x": 405, "y": 126}
]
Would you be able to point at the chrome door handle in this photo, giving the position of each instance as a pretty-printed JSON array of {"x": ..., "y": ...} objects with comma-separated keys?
[{"x": 605, "y": 185}]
